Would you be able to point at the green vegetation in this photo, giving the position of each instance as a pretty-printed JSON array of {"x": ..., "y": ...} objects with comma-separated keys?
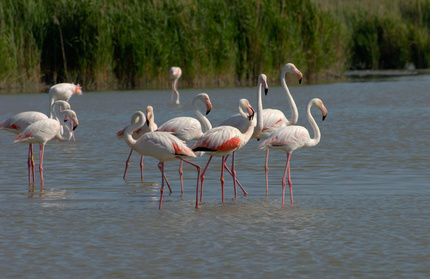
[{"x": 104, "y": 44}]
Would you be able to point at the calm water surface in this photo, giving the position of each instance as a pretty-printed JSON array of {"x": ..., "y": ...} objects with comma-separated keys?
[{"x": 362, "y": 196}]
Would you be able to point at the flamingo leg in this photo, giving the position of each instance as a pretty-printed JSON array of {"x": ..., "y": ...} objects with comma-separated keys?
[
  {"x": 222, "y": 178},
  {"x": 287, "y": 170},
  {"x": 30, "y": 163},
  {"x": 234, "y": 174},
  {"x": 266, "y": 169},
  {"x": 127, "y": 163},
  {"x": 168, "y": 184},
  {"x": 161, "y": 167},
  {"x": 33, "y": 164},
  {"x": 173, "y": 84},
  {"x": 42, "y": 150},
  {"x": 141, "y": 168},
  {"x": 202, "y": 178},
  {"x": 181, "y": 174},
  {"x": 198, "y": 175},
  {"x": 237, "y": 181}
]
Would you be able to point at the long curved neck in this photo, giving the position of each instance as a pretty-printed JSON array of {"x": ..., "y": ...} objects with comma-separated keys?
[
  {"x": 65, "y": 134},
  {"x": 51, "y": 107},
  {"x": 175, "y": 90},
  {"x": 133, "y": 127},
  {"x": 293, "y": 107},
  {"x": 259, "y": 127},
  {"x": 317, "y": 134},
  {"x": 203, "y": 118}
]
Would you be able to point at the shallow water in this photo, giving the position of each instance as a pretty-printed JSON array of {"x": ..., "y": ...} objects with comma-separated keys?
[{"x": 361, "y": 197}]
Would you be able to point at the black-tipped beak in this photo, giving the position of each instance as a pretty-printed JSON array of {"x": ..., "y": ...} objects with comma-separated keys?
[
  {"x": 251, "y": 116},
  {"x": 266, "y": 90},
  {"x": 324, "y": 116},
  {"x": 207, "y": 112},
  {"x": 65, "y": 120},
  {"x": 74, "y": 127},
  {"x": 147, "y": 122},
  {"x": 300, "y": 81}
]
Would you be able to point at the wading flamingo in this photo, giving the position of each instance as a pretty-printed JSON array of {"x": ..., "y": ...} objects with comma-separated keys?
[
  {"x": 274, "y": 119},
  {"x": 189, "y": 128},
  {"x": 16, "y": 124},
  {"x": 163, "y": 146},
  {"x": 175, "y": 73},
  {"x": 64, "y": 91},
  {"x": 149, "y": 126},
  {"x": 293, "y": 137},
  {"x": 223, "y": 140},
  {"x": 45, "y": 130}
]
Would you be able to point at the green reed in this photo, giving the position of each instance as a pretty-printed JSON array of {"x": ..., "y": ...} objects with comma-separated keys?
[{"x": 106, "y": 44}]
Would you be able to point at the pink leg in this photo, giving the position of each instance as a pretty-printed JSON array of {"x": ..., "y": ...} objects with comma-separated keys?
[
  {"x": 127, "y": 163},
  {"x": 233, "y": 174},
  {"x": 181, "y": 174},
  {"x": 42, "y": 150},
  {"x": 171, "y": 99},
  {"x": 33, "y": 164},
  {"x": 222, "y": 178},
  {"x": 168, "y": 184},
  {"x": 29, "y": 162},
  {"x": 198, "y": 175},
  {"x": 141, "y": 167},
  {"x": 266, "y": 169},
  {"x": 237, "y": 181},
  {"x": 287, "y": 170},
  {"x": 161, "y": 167},
  {"x": 202, "y": 178}
]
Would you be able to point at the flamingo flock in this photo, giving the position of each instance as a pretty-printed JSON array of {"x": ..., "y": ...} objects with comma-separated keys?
[{"x": 169, "y": 141}]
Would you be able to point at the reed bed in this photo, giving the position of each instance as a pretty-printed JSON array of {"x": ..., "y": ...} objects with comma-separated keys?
[{"x": 131, "y": 44}]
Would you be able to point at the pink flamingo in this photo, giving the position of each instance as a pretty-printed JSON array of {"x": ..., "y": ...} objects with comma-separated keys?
[
  {"x": 162, "y": 146},
  {"x": 64, "y": 91},
  {"x": 274, "y": 119},
  {"x": 223, "y": 140},
  {"x": 290, "y": 138},
  {"x": 189, "y": 128},
  {"x": 149, "y": 126},
  {"x": 175, "y": 73},
  {"x": 45, "y": 130},
  {"x": 19, "y": 122}
]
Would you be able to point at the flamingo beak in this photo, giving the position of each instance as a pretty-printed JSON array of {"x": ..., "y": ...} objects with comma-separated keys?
[
  {"x": 148, "y": 115},
  {"x": 208, "y": 107},
  {"x": 266, "y": 90},
  {"x": 300, "y": 81},
  {"x": 250, "y": 113},
  {"x": 324, "y": 113},
  {"x": 75, "y": 123},
  {"x": 66, "y": 118}
]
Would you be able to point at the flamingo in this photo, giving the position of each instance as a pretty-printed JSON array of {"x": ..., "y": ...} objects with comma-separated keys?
[
  {"x": 64, "y": 91},
  {"x": 189, "y": 128},
  {"x": 149, "y": 126},
  {"x": 16, "y": 124},
  {"x": 293, "y": 137},
  {"x": 274, "y": 119},
  {"x": 223, "y": 140},
  {"x": 45, "y": 130},
  {"x": 175, "y": 73},
  {"x": 161, "y": 145}
]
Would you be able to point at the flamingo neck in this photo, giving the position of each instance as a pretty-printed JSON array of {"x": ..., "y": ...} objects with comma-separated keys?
[
  {"x": 133, "y": 127},
  {"x": 204, "y": 119},
  {"x": 259, "y": 127},
  {"x": 175, "y": 90},
  {"x": 64, "y": 134},
  {"x": 317, "y": 134},
  {"x": 293, "y": 107}
]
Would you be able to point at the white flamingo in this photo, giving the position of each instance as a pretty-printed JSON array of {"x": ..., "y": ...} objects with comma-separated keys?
[
  {"x": 175, "y": 73},
  {"x": 64, "y": 91},
  {"x": 149, "y": 126},
  {"x": 189, "y": 128},
  {"x": 290, "y": 138},
  {"x": 162, "y": 146},
  {"x": 45, "y": 130},
  {"x": 223, "y": 140},
  {"x": 17, "y": 123},
  {"x": 274, "y": 119}
]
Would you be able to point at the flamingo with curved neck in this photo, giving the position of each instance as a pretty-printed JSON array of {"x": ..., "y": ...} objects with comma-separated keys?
[
  {"x": 175, "y": 73},
  {"x": 293, "y": 137}
]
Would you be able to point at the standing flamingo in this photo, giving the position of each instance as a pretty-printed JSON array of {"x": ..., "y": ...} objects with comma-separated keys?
[
  {"x": 189, "y": 128},
  {"x": 175, "y": 73},
  {"x": 16, "y": 124},
  {"x": 293, "y": 137},
  {"x": 162, "y": 146},
  {"x": 64, "y": 91},
  {"x": 45, "y": 130},
  {"x": 149, "y": 126},
  {"x": 223, "y": 140},
  {"x": 274, "y": 119}
]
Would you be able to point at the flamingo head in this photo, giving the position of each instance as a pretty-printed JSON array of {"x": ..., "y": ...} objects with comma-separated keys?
[
  {"x": 175, "y": 72},
  {"x": 262, "y": 78},
  {"x": 320, "y": 105},
  {"x": 149, "y": 115},
  {"x": 73, "y": 117},
  {"x": 291, "y": 68},
  {"x": 245, "y": 105},
  {"x": 78, "y": 89}
]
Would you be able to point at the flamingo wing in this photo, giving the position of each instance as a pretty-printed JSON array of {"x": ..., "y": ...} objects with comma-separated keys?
[
  {"x": 40, "y": 132},
  {"x": 185, "y": 128},
  {"x": 17, "y": 123},
  {"x": 224, "y": 139},
  {"x": 273, "y": 119},
  {"x": 288, "y": 138}
]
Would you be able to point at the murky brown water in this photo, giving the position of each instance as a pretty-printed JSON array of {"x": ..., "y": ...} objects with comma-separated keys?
[{"x": 362, "y": 203}]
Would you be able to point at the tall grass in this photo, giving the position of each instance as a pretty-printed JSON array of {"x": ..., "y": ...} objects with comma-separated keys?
[{"x": 106, "y": 44}]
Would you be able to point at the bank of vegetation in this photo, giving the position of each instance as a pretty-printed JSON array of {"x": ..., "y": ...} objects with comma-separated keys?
[{"x": 109, "y": 44}]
